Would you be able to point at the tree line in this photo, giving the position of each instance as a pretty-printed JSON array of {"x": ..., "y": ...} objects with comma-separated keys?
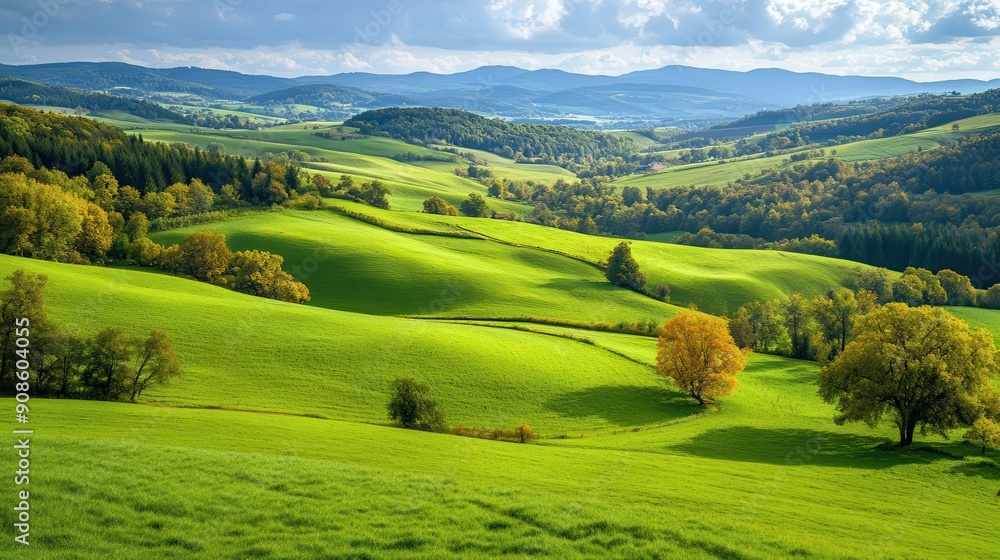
[
  {"x": 918, "y": 366},
  {"x": 89, "y": 219},
  {"x": 894, "y": 213},
  {"x": 111, "y": 365},
  {"x": 818, "y": 329},
  {"x": 75, "y": 145}
]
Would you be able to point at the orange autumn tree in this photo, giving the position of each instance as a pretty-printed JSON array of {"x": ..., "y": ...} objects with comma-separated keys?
[{"x": 698, "y": 353}]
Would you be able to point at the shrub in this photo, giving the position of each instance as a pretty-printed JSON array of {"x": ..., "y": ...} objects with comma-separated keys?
[
  {"x": 524, "y": 433},
  {"x": 990, "y": 299},
  {"x": 662, "y": 293}
]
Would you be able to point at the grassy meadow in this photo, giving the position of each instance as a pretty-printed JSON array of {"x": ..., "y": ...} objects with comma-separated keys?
[
  {"x": 752, "y": 481},
  {"x": 275, "y": 442}
]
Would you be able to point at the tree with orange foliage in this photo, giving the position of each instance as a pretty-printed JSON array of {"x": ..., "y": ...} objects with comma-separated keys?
[{"x": 698, "y": 353}]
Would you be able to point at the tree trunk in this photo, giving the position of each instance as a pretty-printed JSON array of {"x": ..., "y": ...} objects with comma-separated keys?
[{"x": 906, "y": 430}]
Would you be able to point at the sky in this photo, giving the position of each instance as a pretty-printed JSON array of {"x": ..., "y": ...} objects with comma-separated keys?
[{"x": 918, "y": 39}]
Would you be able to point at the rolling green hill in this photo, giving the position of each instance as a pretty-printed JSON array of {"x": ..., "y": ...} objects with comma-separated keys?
[
  {"x": 274, "y": 443},
  {"x": 367, "y": 269},
  {"x": 363, "y": 158},
  {"x": 126, "y": 480},
  {"x": 716, "y": 280},
  {"x": 249, "y": 353}
]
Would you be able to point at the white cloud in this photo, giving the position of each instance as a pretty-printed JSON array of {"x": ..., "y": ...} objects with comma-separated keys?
[
  {"x": 524, "y": 19},
  {"x": 926, "y": 39}
]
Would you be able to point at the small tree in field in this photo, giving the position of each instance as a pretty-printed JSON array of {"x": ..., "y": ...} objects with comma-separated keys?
[
  {"x": 921, "y": 366},
  {"x": 438, "y": 205},
  {"x": 413, "y": 406},
  {"x": 699, "y": 354},
  {"x": 623, "y": 270},
  {"x": 984, "y": 433},
  {"x": 475, "y": 206}
]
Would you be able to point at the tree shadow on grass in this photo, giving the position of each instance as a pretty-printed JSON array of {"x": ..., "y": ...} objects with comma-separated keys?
[
  {"x": 985, "y": 466},
  {"x": 625, "y": 405},
  {"x": 795, "y": 447}
]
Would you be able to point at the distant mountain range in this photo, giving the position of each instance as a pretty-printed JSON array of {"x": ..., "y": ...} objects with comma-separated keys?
[{"x": 678, "y": 95}]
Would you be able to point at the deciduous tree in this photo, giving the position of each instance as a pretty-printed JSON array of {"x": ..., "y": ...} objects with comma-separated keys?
[
  {"x": 958, "y": 288},
  {"x": 153, "y": 363},
  {"x": 475, "y": 206},
  {"x": 107, "y": 364},
  {"x": 985, "y": 432},
  {"x": 836, "y": 313},
  {"x": 438, "y": 205},
  {"x": 259, "y": 273},
  {"x": 205, "y": 256},
  {"x": 920, "y": 365},
  {"x": 24, "y": 298},
  {"x": 698, "y": 353},
  {"x": 623, "y": 270},
  {"x": 413, "y": 406}
]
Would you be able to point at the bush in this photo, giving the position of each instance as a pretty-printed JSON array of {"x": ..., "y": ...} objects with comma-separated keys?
[
  {"x": 990, "y": 299},
  {"x": 524, "y": 433},
  {"x": 412, "y": 406},
  {"x": 521, "y": 434},
  {"x": 662, "y": 293}
]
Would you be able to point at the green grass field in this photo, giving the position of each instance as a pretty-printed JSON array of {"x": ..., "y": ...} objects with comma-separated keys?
[
  {"x": 752, "y": 481},
  {"x": 364, "y": 159},
  {"x": 254, "y": 354},
  {"x": 275, "y": 441}
]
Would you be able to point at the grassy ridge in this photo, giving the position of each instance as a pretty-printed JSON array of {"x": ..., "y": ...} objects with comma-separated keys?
[
  {"x": 716, "y": 280},
  {"x": 250, "y": 353},
  {"x": 367, "y": 269}
]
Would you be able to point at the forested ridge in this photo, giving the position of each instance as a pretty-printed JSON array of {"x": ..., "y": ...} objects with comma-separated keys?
[
  {"x": 74, "y": 145},
  {"x": 542, "y": 143},
  {"x": 915, "y": 210},
  {"x": 31, "y": 93},
  {"x": 917, "y": 113},
  {"x": 330, "y": 95}
]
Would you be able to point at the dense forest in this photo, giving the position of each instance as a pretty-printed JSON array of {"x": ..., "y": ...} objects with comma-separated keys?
[
  {"x": 31, "y": 93},
  {"x": 74, "y": 145},
  {"x": 523, "y": 142}
]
